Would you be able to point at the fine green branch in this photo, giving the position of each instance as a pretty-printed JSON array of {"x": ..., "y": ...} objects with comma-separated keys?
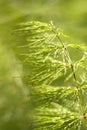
[{"x": 48, "y": 61}]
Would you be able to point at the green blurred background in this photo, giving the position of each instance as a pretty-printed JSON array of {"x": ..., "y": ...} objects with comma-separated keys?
[{"x": 69, "y": 15}]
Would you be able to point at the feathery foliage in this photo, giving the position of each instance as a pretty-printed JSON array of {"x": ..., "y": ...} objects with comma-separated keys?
[{"x": 49, "y": 58}]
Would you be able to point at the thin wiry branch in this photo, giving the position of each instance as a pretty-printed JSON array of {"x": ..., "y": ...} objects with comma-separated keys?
[{"x": 48, "y": 59}]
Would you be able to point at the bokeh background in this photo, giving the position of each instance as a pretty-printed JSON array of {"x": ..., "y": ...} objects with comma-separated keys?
[{"x": 69, "y": 15}]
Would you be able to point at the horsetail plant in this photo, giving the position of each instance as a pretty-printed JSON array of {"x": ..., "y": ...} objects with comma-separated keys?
[{"x": 56, "y": 72}]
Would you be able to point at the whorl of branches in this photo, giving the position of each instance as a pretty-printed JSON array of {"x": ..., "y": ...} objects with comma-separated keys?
[{"x": 49, "y": 59}]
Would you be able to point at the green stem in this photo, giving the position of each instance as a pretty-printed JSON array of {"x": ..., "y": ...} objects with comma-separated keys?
[{"x": 78, "y": 88}]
